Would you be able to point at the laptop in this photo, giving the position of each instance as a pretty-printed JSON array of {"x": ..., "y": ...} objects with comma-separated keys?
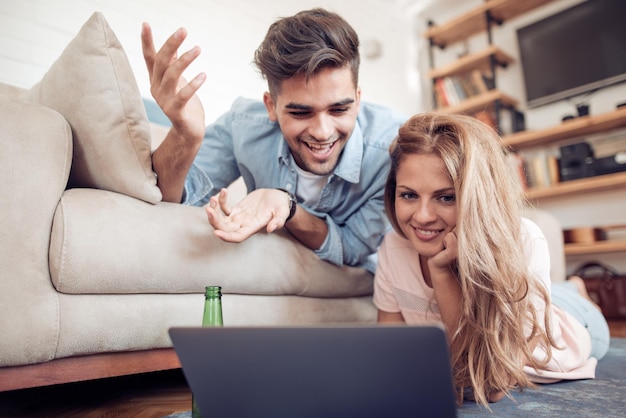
[{"x": 317, "y": 371}]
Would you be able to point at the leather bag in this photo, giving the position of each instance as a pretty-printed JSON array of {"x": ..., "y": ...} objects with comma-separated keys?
[{"x": 606, "y": 287}]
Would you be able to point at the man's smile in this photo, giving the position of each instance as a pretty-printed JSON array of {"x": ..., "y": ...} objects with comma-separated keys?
[{"x": 317, "y": 147}]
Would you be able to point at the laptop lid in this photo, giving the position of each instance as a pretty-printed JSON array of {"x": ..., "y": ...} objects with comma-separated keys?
[{"x": 320, "y": 371}]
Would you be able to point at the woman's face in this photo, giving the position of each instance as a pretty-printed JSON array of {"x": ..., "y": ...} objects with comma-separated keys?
[{"x": 425, "y": 202}]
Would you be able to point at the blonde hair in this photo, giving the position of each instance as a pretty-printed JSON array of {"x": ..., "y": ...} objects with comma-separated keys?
[{"x": 489, "y": 348}]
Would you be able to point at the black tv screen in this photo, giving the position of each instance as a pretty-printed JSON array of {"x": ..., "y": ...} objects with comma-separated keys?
[{"x": 576, "y": 51}]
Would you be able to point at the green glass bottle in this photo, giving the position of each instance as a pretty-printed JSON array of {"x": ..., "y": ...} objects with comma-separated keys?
[{"x": 212, "y": 317}]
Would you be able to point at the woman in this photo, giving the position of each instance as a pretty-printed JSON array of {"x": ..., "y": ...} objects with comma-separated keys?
[{"x": 461, "y": 254}]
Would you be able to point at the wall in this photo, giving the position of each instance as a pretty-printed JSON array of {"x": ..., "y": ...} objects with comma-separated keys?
[
  {"x": 590, "y": 209},
  {"x": 33, "y": 33}
]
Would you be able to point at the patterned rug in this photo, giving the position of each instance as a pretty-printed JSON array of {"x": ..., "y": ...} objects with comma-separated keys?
[{"x": 602, "y": 397}]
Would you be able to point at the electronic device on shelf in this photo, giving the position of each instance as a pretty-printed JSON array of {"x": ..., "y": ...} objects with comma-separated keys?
[{"x": 578, "y": 161}]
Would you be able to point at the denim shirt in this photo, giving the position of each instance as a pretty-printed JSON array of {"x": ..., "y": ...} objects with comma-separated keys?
[{"x": 245, "y": 142}]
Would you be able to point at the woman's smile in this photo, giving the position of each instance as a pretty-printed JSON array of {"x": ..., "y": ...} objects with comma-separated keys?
[{"x": 427, "y": 234}]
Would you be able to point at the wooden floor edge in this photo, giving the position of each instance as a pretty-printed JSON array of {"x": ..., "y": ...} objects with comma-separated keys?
[{"x": 89, "y": 367}]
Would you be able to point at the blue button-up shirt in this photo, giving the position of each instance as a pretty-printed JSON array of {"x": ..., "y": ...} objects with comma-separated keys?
[{"x": 245, "y": 142}]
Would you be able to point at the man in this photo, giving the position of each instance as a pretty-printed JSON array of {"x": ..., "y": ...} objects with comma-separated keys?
[{"x": 310, "y": 140}]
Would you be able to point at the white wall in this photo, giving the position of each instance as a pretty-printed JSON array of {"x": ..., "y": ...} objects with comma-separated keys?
[
  {"x": 589, "y": 209},
  {"x": 33, "y": 34}
]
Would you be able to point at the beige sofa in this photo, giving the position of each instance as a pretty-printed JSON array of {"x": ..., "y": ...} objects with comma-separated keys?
[{"x": 94, "y": 267}]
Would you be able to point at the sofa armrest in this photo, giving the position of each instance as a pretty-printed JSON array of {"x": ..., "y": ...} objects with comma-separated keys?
[{"x": 36, "y": 152}]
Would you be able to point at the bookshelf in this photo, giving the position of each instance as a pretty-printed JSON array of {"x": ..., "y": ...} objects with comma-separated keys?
[
  {"x": 580, "y": 126},
  {"x": 476, "y": 61},
  {"x": 478, "y": 20},
  {"x": 480, "y": 102},
  {"x": 598, "y": 247},
  {"x": 589, "y": 184}
]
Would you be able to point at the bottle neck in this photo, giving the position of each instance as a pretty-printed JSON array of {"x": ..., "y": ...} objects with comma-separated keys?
[
  {"x": 213, "y": 292},
  {"x": 213, "y": 307}
]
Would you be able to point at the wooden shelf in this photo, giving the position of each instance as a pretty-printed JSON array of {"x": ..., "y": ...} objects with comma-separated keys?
[
  {"x": 475, "y": 20},
  {"x": 597, "y": 183},
  {"x": 477, "y": 61},
  {"x": 573, "y": 128},
  {"x": 480, "y": 102},
  {"x": 598, "y": 247}
]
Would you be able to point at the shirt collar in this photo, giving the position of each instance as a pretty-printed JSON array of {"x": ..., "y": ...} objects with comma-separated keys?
[{"x": 349, "y": 166}]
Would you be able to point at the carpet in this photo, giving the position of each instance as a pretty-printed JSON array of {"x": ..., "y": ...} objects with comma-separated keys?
[{"x": 602, "y": 397}]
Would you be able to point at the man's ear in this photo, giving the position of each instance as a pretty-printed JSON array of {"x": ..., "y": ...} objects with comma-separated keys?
[
  {"x": 358, "y": 98},
  {"x": 270, "y": 106}
]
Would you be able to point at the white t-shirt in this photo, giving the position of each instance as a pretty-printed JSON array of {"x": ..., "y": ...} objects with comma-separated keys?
[
  {"x": 399, "y": 286},
  {"x": 310, "y": 186}
]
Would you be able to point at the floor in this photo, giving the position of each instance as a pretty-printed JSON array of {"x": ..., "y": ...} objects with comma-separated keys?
[{"x": 151, "y": 395}]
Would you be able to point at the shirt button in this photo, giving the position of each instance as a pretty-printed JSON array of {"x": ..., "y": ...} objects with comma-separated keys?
[{"x": 289, "y": 187}]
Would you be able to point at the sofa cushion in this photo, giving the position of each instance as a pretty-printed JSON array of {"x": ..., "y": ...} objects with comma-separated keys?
[
  {"x": 92, "y": 85},
  {"x": 105, "y": 242},
  {"x": 10, "y": 90},
  {"x": 36, "y": 150}
]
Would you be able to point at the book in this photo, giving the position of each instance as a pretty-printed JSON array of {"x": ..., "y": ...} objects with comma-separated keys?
[
  {"x": 440, "y": 93},
  {"x": 518, "y": 165},
  {"x": 553, "y": 169},
  {"x": 450, "y": 90},
  {"x": 458, "y": 88},
  {"x": 544, "y": 168},
  {"x": 479, "y": 82},
  {"x": 468, "y": 85}
]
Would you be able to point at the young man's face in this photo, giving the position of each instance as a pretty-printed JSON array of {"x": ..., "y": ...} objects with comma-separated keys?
[{"x": 316, "y": 117}]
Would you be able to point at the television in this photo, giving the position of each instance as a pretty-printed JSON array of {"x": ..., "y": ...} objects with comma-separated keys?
[{"x": 574, "y": 52}]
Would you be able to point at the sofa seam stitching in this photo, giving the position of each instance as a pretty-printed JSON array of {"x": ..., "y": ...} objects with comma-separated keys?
[{"x": 61, "y": 206}]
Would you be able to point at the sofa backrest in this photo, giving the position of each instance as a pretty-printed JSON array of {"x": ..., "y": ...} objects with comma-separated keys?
[{"x": 9, "y": 90}]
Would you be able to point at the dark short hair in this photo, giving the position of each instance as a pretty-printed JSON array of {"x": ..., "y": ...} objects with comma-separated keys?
[{"x": 306, "y": 43}]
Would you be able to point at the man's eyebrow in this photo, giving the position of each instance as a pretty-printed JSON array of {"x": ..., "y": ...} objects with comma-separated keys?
[
  {"x": 343, "y": 102},
  {"x": 298, "y": 106}
]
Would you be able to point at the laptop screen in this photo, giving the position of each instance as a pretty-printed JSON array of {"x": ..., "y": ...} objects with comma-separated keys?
[{"x": 317, "y": 371}]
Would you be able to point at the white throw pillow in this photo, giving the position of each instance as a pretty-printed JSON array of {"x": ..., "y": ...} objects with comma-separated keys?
[{"x": 92, "y": 85}]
